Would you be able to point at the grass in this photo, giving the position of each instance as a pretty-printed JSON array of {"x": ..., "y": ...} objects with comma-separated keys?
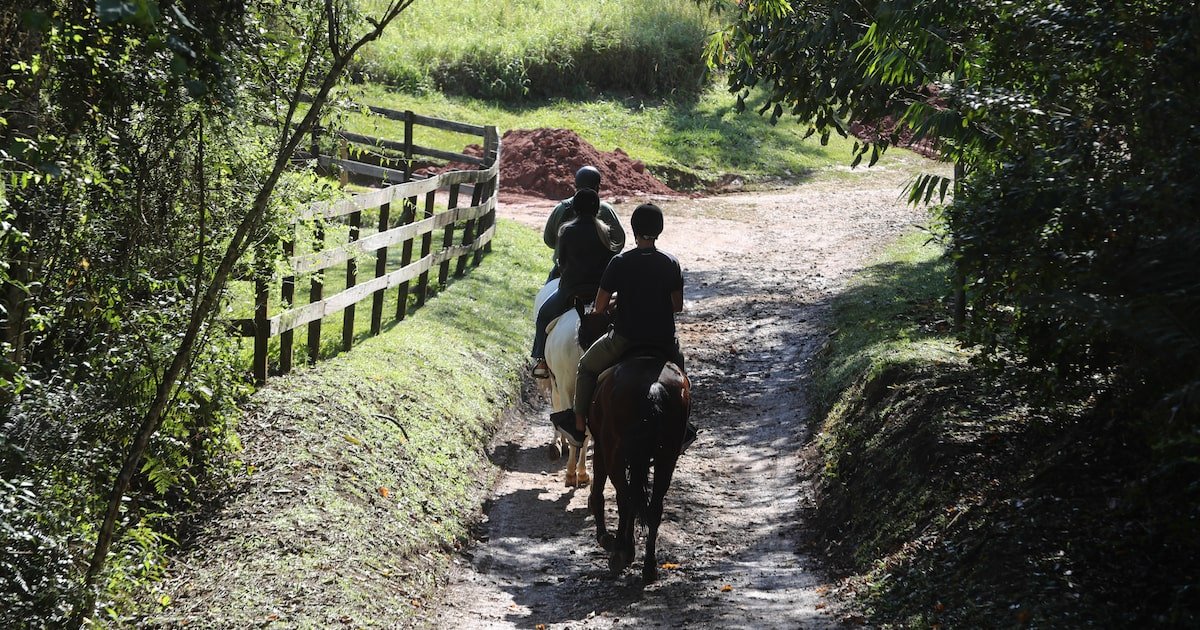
[
  {"x": 893, "y": 313},
  {"x": 514, "y": 50},
  {"x": 687, "y": 144},
  {"x": 357, "y": 466}
]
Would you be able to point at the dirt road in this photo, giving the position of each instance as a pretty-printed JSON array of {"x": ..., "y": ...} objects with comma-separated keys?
[{"x": 759, "y": 271}]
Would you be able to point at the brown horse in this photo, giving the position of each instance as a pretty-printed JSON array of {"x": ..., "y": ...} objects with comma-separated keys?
[{"x": 638, "y": 420}]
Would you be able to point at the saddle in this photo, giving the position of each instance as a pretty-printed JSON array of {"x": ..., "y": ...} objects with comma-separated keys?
[{"x": 647, "y": 351}]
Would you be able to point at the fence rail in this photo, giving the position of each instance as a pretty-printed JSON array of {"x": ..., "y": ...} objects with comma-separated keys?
[{"x": 426, "y": 206}]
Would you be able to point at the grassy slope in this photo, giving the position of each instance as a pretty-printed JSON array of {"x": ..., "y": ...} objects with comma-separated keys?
[
  {"x": 951, "y": 502},
  {"x": 687, "y": 144},
  {"x": 515, "y": 49},
  {"x": 362, "y": 465}
]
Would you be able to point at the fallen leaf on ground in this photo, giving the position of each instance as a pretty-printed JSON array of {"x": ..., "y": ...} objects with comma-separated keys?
[
  {"x": 726, "y": 588},
  {"x": 384, "y": 492},
  {"x": 669, "y": 565}
]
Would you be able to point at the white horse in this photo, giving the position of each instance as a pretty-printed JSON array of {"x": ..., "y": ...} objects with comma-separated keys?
[{"x": 562, "y": 357}]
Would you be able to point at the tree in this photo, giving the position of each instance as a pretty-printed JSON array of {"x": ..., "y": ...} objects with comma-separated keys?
[
  {"x": 1073, "y": 125},
  {"x": 133, "y": 186}
]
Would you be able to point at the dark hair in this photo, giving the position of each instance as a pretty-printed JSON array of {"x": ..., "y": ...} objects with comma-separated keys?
[
  {"x": 647, "y": 221},
  {"x": 587, "y": 177},
  {"x": 586, "y": 202}
]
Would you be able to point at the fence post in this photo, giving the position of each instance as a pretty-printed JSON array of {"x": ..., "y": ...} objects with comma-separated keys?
[
  {"x": 316, "y": 293},
  {"x": 408, "y": 216},
  {"x": 262, "y": 327},
  {"x": 426, "y": 246},
  {"x": 381, "y": 256},
  {"x": 408, "y": 145},
  {"x": 351, "y": 280},
  {"x": 491, "y": 143},
  {"x": 448, "y": 236},
  {"x": 469, "y": 230},
  {"x": 287, "y": 297}
]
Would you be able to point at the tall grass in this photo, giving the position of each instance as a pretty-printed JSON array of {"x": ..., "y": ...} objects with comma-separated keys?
[{"x": 516, "y": 50}]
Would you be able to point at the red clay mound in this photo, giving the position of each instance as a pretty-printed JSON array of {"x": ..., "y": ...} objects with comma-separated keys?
[{"x": 542, "y": 163}]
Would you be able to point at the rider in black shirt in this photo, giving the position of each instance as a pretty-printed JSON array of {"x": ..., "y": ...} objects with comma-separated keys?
[{"x": 648, "y": 285}]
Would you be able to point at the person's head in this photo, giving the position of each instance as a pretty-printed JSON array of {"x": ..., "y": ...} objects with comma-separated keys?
[
  {"x": 647, "y": 221},
  {"x": 587, "y": 177},
  {"x": 586, "y": 202}
]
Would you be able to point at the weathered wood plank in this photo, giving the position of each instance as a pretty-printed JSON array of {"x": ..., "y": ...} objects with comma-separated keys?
[
  {"x": 325, "y": 259},
  {"x": 395, "y": 192},
  {"x": 411, "y": 150},
  {"x": 429, "y": 121}
]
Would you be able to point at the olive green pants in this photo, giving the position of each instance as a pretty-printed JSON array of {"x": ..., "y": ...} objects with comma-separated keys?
[{"x": 602, "y": 355}]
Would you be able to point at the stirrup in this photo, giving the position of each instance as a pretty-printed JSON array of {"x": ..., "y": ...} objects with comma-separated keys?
[{"x": 541, "y": 370}]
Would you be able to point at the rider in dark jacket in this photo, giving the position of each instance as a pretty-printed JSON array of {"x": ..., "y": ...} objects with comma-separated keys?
[
  {"x": 584, "y": 247},
  {"x": 564, "y": 212}
]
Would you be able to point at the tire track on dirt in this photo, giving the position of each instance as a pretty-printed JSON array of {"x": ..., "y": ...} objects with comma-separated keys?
[{"x": 759, "y": 271}]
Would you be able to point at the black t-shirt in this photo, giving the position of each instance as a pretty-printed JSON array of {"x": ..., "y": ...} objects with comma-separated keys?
[
  {"x": 582, "y": 256},
  {"x": 643, "y": 280}
]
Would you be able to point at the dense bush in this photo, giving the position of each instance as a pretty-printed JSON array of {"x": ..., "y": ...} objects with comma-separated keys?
[
  {"x": 1073, "y": 122},
  {"x": 130, "y": 178}
]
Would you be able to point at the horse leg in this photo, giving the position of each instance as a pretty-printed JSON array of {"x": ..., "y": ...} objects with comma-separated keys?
[
  {"x": 557, "y": 445},
  {"x": 596, "y": 502},
  {"x": 579, "y": 461},
  {"x": 663, "y": 471},
  {"x": 572, "y": 478},
  {"x": 621, "y": 555}
]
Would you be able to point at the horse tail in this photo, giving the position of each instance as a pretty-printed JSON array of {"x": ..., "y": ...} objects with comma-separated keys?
[{"x": 642, "y": 446}]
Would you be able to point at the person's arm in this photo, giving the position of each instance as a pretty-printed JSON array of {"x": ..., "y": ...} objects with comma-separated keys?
[
  {"x": 616, "y": 233},
  {"x": 603, "y": 301},
  {"x": 677, "y": 300},
  {"x": 553, "y": 222}
]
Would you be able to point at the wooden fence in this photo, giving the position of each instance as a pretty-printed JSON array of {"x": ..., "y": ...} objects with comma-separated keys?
[{"x": 408, "y": 212}]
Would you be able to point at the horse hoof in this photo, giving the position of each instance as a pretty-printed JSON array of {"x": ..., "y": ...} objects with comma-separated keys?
[
  {"x": 617, "y": 561},
  {"x": 607, "y": 541},
  {"x": 571, "y": 481},
  {"x": 649, "y": 573},
  {"x": 583, "y": 480}
]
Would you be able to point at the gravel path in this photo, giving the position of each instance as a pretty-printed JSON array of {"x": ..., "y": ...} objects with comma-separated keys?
[{"x": 760, "y": 269}]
